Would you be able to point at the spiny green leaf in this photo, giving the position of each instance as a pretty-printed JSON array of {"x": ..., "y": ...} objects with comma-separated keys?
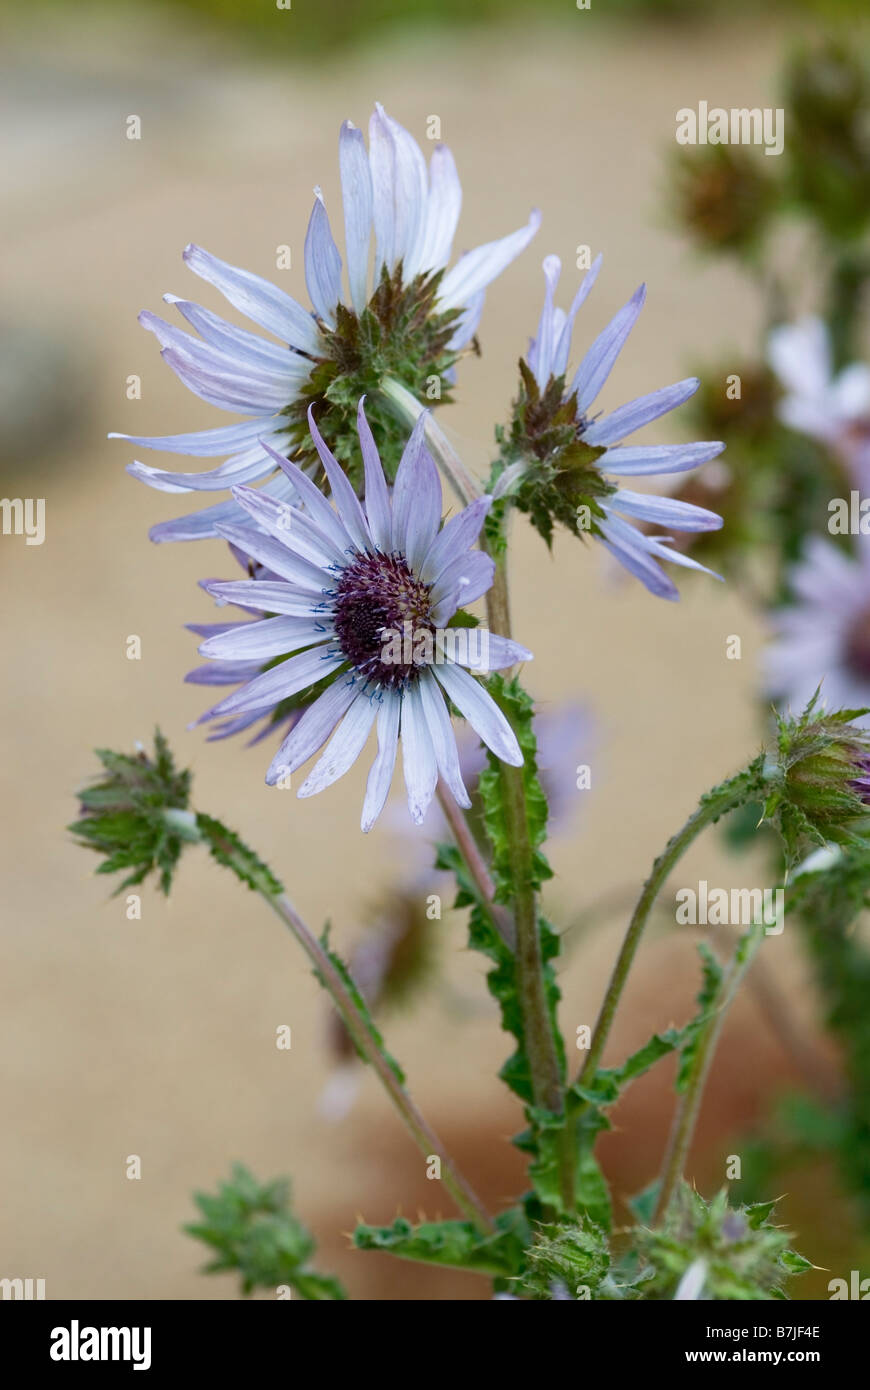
[
  {"x": 254, "y": 1231},
  {"x": 457, "y": 1244},
  {"x": 137, "y": 816},
  {"x": 230, "y": 850},
  {"x": 362, "y": 1007}
]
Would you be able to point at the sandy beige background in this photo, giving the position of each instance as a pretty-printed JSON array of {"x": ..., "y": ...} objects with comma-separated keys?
[{"x": 157, "y": 1037}]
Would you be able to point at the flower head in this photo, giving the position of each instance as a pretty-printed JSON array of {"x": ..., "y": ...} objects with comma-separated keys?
[
  {"x": 362, "y": 596},
  {"x": 137, "y": 816},
  {"x": 410, "y": 323},
  {"x": 745, "y": 1256},
  {"x": 823, "y": 795},
  {"x": 571, "y": 456}
]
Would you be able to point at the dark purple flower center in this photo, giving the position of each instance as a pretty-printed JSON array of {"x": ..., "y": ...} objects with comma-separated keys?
[
  {"x": 382, "y": 618},
  {"x": 857, "y": 646}
]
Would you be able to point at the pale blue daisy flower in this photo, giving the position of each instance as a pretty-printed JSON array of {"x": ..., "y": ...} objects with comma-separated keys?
[
  {"x": 345, "y": 580},
  {"x": 575, "y": 476},
  {"x": 413, "y": 319}
]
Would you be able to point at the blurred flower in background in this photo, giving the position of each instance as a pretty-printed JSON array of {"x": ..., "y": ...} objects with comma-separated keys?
[
  {"x": 831, "y": 407},
  {"x": 823, "y": 636}
]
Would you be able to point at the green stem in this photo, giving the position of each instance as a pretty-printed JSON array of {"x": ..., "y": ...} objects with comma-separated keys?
[
  {"x": 737, "y": 790},
  {"x": 687, "y": 1113},
  {"x": 357, "y": 1026},
  {"x": 498, "y": 610},
  {"x": 538, "y": 1033},
  {"x": 537, "y": 1029}
]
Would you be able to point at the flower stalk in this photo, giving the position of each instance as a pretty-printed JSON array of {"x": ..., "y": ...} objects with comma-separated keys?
[
  {"x": 475, "y": 863},
  {"x": 424, "y": 1136}
]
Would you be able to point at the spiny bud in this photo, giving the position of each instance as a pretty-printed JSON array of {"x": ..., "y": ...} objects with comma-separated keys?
[
  {"x": 740, "y": 1254},
  {"x": 824, "y": 787},
  {"x": 137, "y": 816},
  {"x": 723, "y": 197},
  {"x": 564, "y": 1260},
  {"x": 560, "y": 482}
]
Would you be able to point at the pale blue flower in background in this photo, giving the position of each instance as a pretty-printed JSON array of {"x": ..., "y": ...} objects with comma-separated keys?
[
  {"x": 833, "y": 407},
  {"x": 824, "y": 636}
]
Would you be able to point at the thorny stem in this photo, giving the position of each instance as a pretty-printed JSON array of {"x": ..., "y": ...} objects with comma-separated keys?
[
  {"x": 498, "y": 612},
  {"x": 687, "y": 1112},
  {"x": 474, "y": 862},
  {"x": 429, "y": 1143},
  {"x": 537, "y": 1029},
  {"x": 538, "y": 1033}
]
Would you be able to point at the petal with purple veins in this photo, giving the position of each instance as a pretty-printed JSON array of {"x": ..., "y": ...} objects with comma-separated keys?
[
  {"x": 264, "y": 640},
  {"x": 454, "y": 539},
  {"x": 356, "y": 192},
  {"x": 344, "y": 747},
  {"x": 381, "y": 771},
  {"x": 477, "y": 269},
  {"x": 262, "y": 302},
  {"x": 346, "y": 500},
  {"x": 277, "y": 557},
  {"x": 635, "y": 461},
  {"x": 418, "y": 755},
  {"x": 664, "y": 511},
  {"x": 610, "y": 429},
  {"x": 481, "y": 711},
  {"x": 282, "y": 681},
  {"x": 313, "y": 729},
  {"x": 443, "y": 738},
  {"x": 417, "y": 498},
  {"x": 599, "y": 360},
  {"x": 322, "y": 263},
  {"x": 266, "y": 596},
  {"x": 377, "y": 497}
]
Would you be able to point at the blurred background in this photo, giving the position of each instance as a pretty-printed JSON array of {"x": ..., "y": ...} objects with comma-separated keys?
[{"x": 157, "y": 1037}]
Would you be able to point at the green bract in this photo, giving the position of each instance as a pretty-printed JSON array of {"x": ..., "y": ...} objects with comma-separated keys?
[
  {"x": 398, "y": 335},
  {"x": 560, "y": 482}
]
